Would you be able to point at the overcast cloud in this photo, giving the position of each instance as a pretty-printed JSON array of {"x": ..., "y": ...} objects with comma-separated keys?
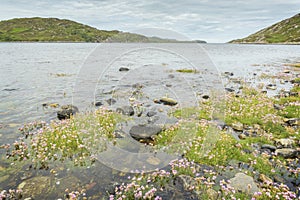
[{"x": 210, "y": 20}]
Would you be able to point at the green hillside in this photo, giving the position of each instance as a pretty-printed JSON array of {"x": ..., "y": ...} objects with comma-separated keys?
[
  {"x": 50, "y": 29},
  {"x": 286, "y": 31},
  {"x": 62, "y": 30}
]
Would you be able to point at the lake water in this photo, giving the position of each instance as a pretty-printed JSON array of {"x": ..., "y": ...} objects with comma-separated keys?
[{"x": 32, "y": 74}]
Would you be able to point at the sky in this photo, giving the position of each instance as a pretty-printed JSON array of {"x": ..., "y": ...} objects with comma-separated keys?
[{"x": 214, "y": 21}]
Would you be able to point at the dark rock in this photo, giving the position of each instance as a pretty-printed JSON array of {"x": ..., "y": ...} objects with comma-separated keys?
[
  {"x": 151, "y": 113},
  {"x": 229, "y": 89},
  {"x": 99, "y": 103},
  {"x": 205, "y": 96},
  {"x": 271, "y": 87},
  {"x": 67, "y": 111},
  {"x": 111, "y": 101},
  {"x": 126, "y": 110},
  {"x": 168, "y": 85},
  {"x": 137, "y": 86},
  {"x": 295, "y": 81},
  {"x": 144, "y": 132},
  {"x": 229, "y": 73},
  {"x": 9, "y": 89},
  {"x": 268, "y": 146},
  {"x": 293, "y": 122},
  {"x": 124, "y": 69},
  {"x": 264, "y": 92}
]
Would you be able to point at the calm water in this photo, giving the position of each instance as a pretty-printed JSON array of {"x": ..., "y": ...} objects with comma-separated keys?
[{"x": 35, "y": 73}]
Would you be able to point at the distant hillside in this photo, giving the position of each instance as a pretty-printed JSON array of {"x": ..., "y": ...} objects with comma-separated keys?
[
  {"x": 286, "y": 31},
  {"x": 62, "y": 30}
]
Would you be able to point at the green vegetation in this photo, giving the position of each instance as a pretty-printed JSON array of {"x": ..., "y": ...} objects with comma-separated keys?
[
  {"x": 50, "y": 29},
  {"x": 187, "y": 71},
  {"x": 286, "y": 31}
]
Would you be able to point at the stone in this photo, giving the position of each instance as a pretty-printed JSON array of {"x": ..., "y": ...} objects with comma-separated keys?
[
  {"x": 66, "y": 112},
  {"x": 229, "y": 89},
  {"x": 212, "y": 194},
  {"x": 229, "y": 73},
  {"x": 244, "y": 183},
  {"x": 151, "y": 113},
  {"x": 284, "y": 143},
  {"x": 268, "y": 146},
  {"x": 278, "y": 107},
  {"x": 205, "y": 96},
  {"x": 286, "y": 71},
  {"x": 287, "y": 153},
  {"x": 126, "y": 110},
  {"x": 168, "y": 101},
  {"x": 144, "y": 132},
  {"x": 271, "y": 87},
  {"x": 123, "y": 69},
  {"x": 293, "y": 122},
  {"x": 237, "y": 126},
  {"x": 111, "y": 101},
  {"x": 99, "y": 103},
  {"x": 36, "y": 187},
  {"x": 242, "y": 136}
]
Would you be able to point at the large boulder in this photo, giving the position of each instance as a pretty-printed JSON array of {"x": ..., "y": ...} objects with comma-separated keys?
[
  {"x": 66, "y": 112},
  {"x": 144, "y": 132},
  {"x": 244, "y": 183},
  {"x": 287, "y": 153}
]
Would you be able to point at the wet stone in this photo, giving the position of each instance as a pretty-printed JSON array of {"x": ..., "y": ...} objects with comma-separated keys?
[
  {"x": 144, "y": 132},
  {"x": 126, "y": 110},
  {"x": 67, "y": 111}
]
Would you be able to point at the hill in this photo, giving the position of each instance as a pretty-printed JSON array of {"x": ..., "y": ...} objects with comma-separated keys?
[
  {"x": 62, "y": 30},
  {"x": 284, "y": 32}
]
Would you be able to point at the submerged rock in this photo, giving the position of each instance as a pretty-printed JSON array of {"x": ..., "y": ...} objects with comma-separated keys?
[
  {"x": 36, "y": 187},
  {"x": 66, "y": 112},
  {"x": 144, "y": 132},
  {"x": 111, "y": 101},
  {"x": 126, "y": 110},
  {"x": 244, "y": 183},
  {"x": 124, "y": 69}
]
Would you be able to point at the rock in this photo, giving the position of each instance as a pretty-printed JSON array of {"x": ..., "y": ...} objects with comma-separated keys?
[
  {"x": 36, "y": 187},
  {"x": 287, "y": 153},
  {"x": 205, "y": 96},
  {"x": 144, "y": 132},
  {"x": 229, "y": 89},
  {"x": 264, "y": 91},
  {"x": 66, "y": 112},
  {"x": 286, "y": 71},
  {"x": 278, "y": 107},
  {"x": 111, "y": 101},
  {"x": 212, "y": 194},
  {"x": 297, "y": 81},
  {"x": 237, "y": 126},
  {"x": 293, "y": 121},
  {"x": 126, "y": 110},
  {"x": 271, "y": 87},
  {"x": 151, "y": 113},
  {"x": 123, "y": 69},
  {"x": 267, "y": 146},
  {"x": 244, "y": 183},
  {"x": 171, "y": 76},
  {"x": 167, "y": 101},
  {"x": 229, "y": 73},
  {"x": 242, "y": 136},
  {"x": 99, "y": 103},
  {"x": 153, "y": 160},
  {"x": 263, "y": 178},
  {"x": 284, "y": 143}
]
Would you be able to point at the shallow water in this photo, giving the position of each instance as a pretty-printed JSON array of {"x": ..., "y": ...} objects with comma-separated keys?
[{"x": 35, "y": 73}]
